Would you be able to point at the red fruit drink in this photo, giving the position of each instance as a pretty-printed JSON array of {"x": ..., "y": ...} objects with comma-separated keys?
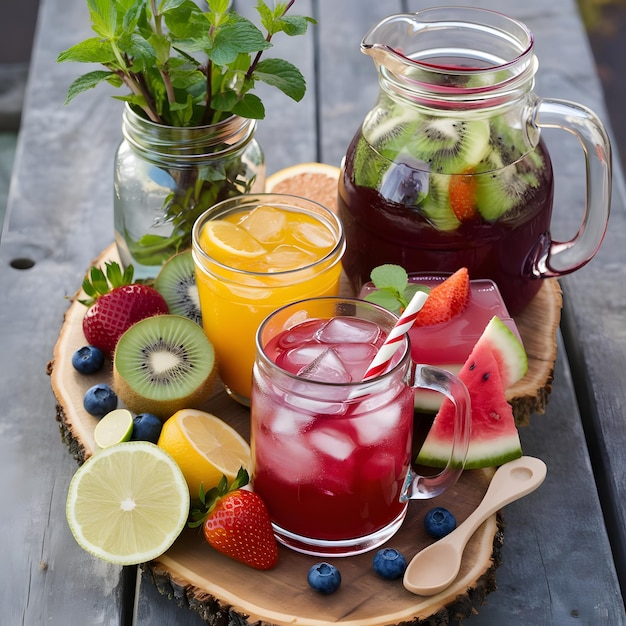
[
  {"x": 385, "y": 222},
  {"x": 332, "y": 467}
]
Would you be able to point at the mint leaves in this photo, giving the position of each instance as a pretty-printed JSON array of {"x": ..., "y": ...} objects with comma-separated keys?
[
  {"x": 393, "y": 290},
  {"x": 184, "y": 66}
]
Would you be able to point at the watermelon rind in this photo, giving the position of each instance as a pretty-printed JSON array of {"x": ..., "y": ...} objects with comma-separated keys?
[
  {"x": 494, "y": 436},
  {"x": 508, "y": 350},
  {"x": 479, "y": 455},
  {"x": 510, "y": 355}
]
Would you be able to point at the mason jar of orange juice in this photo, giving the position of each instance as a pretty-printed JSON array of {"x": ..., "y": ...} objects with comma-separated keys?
[{"x": 254, "y": 254}]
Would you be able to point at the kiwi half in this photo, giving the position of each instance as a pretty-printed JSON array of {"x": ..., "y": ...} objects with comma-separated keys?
[
  {"x": 176, "y": 282},
  {"x": 162, "y": 364}
]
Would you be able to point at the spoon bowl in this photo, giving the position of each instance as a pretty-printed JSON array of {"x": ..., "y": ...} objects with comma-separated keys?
[{"x": 435, "y": 568}]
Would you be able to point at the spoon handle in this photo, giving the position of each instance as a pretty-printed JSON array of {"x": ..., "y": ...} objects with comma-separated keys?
[{"x": 511, "y": 481}]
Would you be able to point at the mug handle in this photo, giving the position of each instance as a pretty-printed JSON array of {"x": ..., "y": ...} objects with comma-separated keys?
[
  {"x": 416, "y": 486},
  {"x": 555, "y": 258}
]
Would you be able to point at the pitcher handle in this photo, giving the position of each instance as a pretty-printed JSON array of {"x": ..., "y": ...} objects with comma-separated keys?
[
  {"x": 416, "y": 486},
  {"x": 556, "y": 258}
]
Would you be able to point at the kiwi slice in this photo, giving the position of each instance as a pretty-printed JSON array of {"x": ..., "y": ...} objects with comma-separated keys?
[
  {"x": 436, "y": 206},
  {"x": 162, "y": 364},
  {"x": 449, "y": 145},
  {"x": 176, "y": 282},
  {"x": 505, "y": 186}
]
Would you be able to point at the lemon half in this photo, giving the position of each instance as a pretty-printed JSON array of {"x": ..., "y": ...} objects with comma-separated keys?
[
  {"x": 128, "y": 503},
  {"x": 205, "y": 448}
]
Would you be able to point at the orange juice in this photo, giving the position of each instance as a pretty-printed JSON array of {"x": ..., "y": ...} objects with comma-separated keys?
[{"x": 253, "y": 254}]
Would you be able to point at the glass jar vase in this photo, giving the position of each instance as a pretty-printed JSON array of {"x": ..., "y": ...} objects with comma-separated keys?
[{"x": 165, "y": 177}]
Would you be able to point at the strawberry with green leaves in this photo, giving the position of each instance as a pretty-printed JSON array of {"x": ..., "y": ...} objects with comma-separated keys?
[
  {"x": 115, "y": 304},
  {"x": 445, "y": 301},
  {"x": 236, "y": 522}
]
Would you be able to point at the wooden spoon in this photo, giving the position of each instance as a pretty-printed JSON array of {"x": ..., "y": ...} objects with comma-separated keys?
[{"x": 434, "y": 568}]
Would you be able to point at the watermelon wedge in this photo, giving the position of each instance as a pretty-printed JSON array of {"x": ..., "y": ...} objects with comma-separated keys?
[{"x": 497, "y": 357}]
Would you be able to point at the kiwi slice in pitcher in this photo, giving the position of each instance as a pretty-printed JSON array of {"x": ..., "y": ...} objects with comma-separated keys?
[
  {"x": 504, "y": 187},
  {"x": 451, "y": 146},
  {"x": 448, "y": 145},
  {"x": 509, "y": 173},
  {"x": 176, "y": 282},
  {"x": 436, "y": 206},
  {"x": 162, "y": 364}
]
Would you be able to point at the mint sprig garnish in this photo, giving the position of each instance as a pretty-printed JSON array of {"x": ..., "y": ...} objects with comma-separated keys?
[
  {"x": 393, "y": 290},
  {"x": 184, "y": 66}
]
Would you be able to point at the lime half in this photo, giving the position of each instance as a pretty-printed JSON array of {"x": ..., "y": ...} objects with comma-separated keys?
[
  {"x": 128, "y": 503},
  {"x": 114, "y": 427}
]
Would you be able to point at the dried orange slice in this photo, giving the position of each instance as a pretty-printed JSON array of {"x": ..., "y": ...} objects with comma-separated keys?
[{"x": 316, "y": 181}]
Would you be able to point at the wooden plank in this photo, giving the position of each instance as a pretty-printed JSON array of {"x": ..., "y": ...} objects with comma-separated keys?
[
  {"x": 593, "y": 326},
  {"x": 58, "y": 216},
  {"x": 348, "y": 84}
]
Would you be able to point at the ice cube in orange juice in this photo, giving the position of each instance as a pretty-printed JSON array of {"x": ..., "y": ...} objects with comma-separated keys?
[
  {"x": 286, "y": 257},
  {"x": 265, "y": 223}
]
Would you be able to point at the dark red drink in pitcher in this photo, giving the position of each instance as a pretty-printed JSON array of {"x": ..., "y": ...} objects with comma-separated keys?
[
  {"x": 442, "y": 227},
  {"x": 449, "y": 170}
]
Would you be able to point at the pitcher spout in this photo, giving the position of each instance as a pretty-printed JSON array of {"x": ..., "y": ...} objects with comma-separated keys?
[
  {"x": 451, "y": 48},
  {"x": 389, "y": 42}
]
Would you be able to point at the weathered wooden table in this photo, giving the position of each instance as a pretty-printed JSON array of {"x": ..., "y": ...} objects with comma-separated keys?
[{"x": 564, "y": 556}]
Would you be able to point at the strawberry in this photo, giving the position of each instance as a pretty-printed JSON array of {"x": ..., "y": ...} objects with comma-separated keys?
[
  {"x": 236, "y": 523},
  {"x": 115, "y": 304},
  {"x": 446, "y": 300},
  {"x": 461, "y": 192}
]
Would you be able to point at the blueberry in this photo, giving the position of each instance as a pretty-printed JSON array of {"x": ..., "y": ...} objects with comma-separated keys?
[
  {"x": 439, "y": 522},
  {"x": 324, "y": 577},
  {"x": 100, "y": 400},
  {"x": 389, "y": 563},
  {"x": 146, "y": 427},
  {"x": 88, "y": 360}
]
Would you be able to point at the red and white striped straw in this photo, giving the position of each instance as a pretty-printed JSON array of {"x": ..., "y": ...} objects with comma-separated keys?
[{"x": 394, "y": 339}]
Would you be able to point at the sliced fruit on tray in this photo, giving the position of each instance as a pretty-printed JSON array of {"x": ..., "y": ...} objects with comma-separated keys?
[
  {"x": 162, "y": 364},
  {"x": 497, "y": 356},
  {"x": 205, "y": 448},
  {"x": 115, "y": 303},
  {"x": 114, "y": 427},
  {"x": 176, "y": 282},
  {"x": 446, "y": 300},
  {"x": 128, "y": 503},
  {"x": 317, "y": 181}
]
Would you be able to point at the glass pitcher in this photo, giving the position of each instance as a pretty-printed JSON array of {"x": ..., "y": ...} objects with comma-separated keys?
[{"x": 449, "y": 169}]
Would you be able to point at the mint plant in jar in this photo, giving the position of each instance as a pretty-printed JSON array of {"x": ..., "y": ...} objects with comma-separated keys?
[{"x": 190, "y": 115}]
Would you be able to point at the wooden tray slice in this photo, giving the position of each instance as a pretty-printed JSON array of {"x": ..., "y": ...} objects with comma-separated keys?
[{"x": 223, "y": 591}]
